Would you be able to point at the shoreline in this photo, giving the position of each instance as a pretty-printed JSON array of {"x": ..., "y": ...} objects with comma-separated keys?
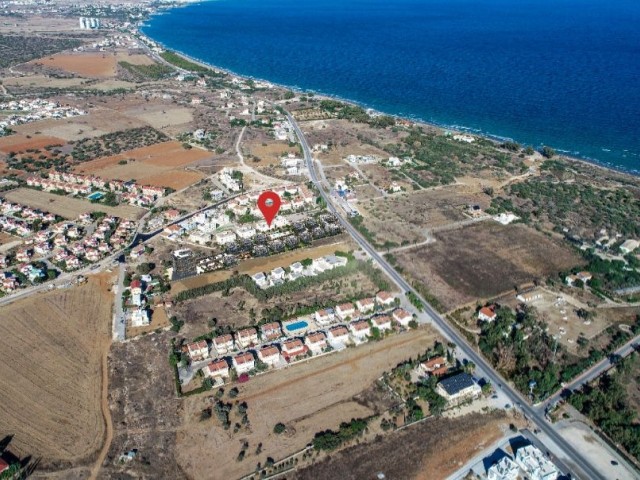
[{"x": 560, "y": 154}]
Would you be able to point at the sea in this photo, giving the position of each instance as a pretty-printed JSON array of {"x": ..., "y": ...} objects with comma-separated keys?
[{"x": 563, "y": 73}]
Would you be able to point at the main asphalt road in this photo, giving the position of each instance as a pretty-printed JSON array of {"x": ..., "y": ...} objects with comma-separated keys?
[{"x": 581, "y": 467}]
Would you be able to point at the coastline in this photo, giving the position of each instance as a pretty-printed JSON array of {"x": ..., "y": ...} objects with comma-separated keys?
[{"x": 560, "y": 154}]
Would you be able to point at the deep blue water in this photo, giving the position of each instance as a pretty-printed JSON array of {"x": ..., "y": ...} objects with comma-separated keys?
[{"x": 564, "y": 73}]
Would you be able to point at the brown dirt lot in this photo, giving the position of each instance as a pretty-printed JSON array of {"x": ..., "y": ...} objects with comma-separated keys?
[
  {"x": 408, "y": 217},
  {"x": 99, "y": 121},
  {"x": 20, "y": 143},
  {"x": 85, "y": 64},
  {"x": 307, "y": 398},
  {"x": 431, "y": 450},
  {"x": 51, "y": 397},
  {"x": 68, "y": 207},
  {"x": 484, "y": 260},
  {"x": 160, "y": 164}
]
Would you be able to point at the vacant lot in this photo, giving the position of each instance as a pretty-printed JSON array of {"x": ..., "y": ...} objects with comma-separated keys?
[
  {"x": 68, "y": 207},
  {"x": 20, "y": 143},
  {"x": 432, "y": 450},
  {"x": 161, "y": 116},
  {"x": 144, "y": 408},
  {"x": 160, "y": 164},
  {"x": 307, "y": 398},
  {"x": 483, "y": 260},
  {"x": 85, "y": 64},
  {"x": 409, "y": 218},
  {"x": 51, "y": 352},
  {"x": 98, "y": 122}
]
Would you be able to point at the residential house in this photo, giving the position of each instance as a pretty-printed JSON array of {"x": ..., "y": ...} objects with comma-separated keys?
[
  {"x": 246, "y": 337},
  {"x": 584, "y": 277},
  {"x": 324, "y": 317},
  {"x": 261, "y": 280},
  {"x": 382, "y": 322},
  {"x": 223, "y": 344},
  {"x": 339, "y": 333},
  {"x": 436, "y": 366},
  {"x": 360, "y": 329},
  {"x": 224, "y": 238},
  {"x": 139, "y": 317},
  {"x": 385, "y": 299},
  {"x": 504, "y": 469},
  {"x": 271, "y": 331},
  {"x": 487, "y": 314},
  {"x": 269, "y": 354},
  {"x": 629, "y": 246},
  {"x": 217, "y": 368},
  {"x": 244, "y": 362},
  {"x": 277, "y": 274},
  {"x": 401, "y": 316},
  {"x": 136, "y": 287},
  {"x": 458, "y": 387},
  {"x": 528, "y": 297},
  {"x": 316, "y": 342},
  {"x": 293, "y": 348},
  {"x": 198, "y": 350},
  {"x": 535, "y": 464},
  {"x": 344, "y": 311},
  {"x": 365, "y": 305}
]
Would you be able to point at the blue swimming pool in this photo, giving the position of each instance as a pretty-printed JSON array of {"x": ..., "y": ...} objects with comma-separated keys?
[
  {"x": 295, "y": 326},
  {"x": 96, "y": 196}
]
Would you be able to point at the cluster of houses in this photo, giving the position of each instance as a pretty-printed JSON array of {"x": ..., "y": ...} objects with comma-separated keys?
[
  {"x": 111, "y": 234},
  {"x": 33, "y": 110},
  {"x": 131, "y": 192},
  {"x": 296, "y": 270},
  {"x": 227, "y": 179},
  {"x": 293, "y": 198},
  {"x": 283, "y": 130},
  {"x": 362, "y": 159},
  {"x": 19, "y": 219},
  {"x": 528, "y": 462},
  {"x": 138, "y": 314},
  {"x": 276, "y": 345}
]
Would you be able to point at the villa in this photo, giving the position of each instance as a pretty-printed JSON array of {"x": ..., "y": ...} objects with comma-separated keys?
[
  {"x": 269, "y": 354},
  {"x": 436, "y": 366},
  {"x": 246, "y": 337},
  {"x": 385, "y": 299},
  {"x": 316, "y": 342},
  {"x": 382, "y": 322},
  {"x": 365, "y": 305},
  {"x": 293, "y": 348},
  {"x": 487, "y": 314},
  {"x": 324, "y": 317},
  {"x": 344, "y": 311},
  {"x": 244, "y": 362},
  {"x": 217, "y": 368},
  {"x": 198, "y": 350},
  {"x": 223, "y": 344},
  {"x": 339, "y": 333},
  {"x": 360, "y": 329},
  {"x": 271, "y": 331},
  {"x": 403, "y": 317}
]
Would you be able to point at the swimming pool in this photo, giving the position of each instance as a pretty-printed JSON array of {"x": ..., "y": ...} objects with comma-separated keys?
[
  {"x": 96, "y": 196},
  {"x": 295, "y": 326}
]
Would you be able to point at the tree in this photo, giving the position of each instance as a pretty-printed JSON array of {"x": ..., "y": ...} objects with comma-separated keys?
[
  {"x": 233, "y": 393},
  {"x": 279, "y": 428},
  {"x": 548, "y": 152}
]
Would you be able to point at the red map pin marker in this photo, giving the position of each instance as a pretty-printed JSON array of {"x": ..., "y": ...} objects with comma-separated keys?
[{"x": 269, "y": 204}]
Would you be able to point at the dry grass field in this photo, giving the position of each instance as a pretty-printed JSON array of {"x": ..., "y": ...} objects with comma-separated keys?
[
  {"x": 410, "y": 217},
  {"x": 431, "y": 450},
  {"x": 51, "y": 352},
  {"x": 307, "y": 398},
  {"x": 160, "y": 164},
  {"x": 68, "y": 207},
  {"x": 94, "y": 64},
  {"x": 160, "y": 116},
  {"x": 484, "y": 260},
  {"x": 99, "y": 121}
]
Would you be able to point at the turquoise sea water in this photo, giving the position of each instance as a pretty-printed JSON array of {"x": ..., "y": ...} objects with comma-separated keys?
[{"x": 565, "y": 73}]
